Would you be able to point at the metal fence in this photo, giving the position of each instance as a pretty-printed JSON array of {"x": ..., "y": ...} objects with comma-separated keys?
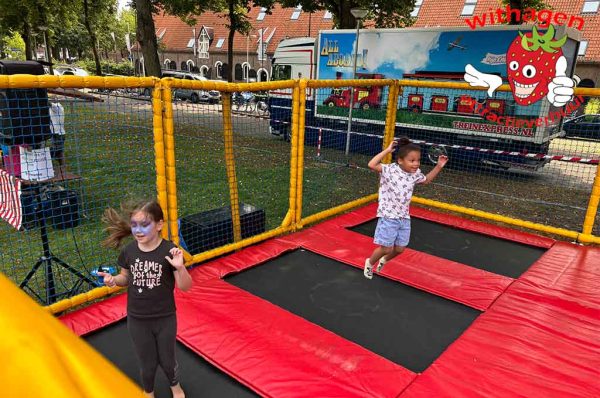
[{"x": 233, "y": 164}]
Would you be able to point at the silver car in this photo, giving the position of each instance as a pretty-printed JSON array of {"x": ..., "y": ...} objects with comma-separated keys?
[{"x": 195, "y": 96}]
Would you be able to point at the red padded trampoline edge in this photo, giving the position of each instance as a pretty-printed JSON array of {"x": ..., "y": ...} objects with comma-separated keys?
[
  {"x": 224, "y": 369},
  {"x": 96, "y": 316},
  {"x": 368, "y": 212}
]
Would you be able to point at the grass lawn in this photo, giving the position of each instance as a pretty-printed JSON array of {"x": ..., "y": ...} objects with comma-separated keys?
[{"x": 113, "y": 153}]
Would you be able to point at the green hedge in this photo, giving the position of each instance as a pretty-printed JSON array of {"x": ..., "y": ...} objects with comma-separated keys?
[{"x": 110, "y": 67}]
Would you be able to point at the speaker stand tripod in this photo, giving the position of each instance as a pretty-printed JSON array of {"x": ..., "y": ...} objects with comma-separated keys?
[{"x": 47, "y": 260}]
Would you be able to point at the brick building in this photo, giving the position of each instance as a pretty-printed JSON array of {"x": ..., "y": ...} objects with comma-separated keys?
[
  {"x": 252, "y": 64},
  {"x": 209, "y": 53}
]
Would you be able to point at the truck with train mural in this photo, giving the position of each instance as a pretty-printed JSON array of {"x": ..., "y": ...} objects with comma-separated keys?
[{"x": 438, "y": 116}]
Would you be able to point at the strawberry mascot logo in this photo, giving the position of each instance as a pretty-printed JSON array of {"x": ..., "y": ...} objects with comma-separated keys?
[{"x": 535, "y": 68}]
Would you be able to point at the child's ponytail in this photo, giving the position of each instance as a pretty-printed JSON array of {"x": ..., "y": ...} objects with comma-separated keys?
[
  {"x": 405, "y": 146},
  {"x": 117, "y": 227}
]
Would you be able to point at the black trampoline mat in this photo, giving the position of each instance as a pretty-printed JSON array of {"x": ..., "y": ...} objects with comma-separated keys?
[
  {"x": 495, "y": 255},
  {"x": 198, "y": 378},
  {"x": 405, "y": 325}
]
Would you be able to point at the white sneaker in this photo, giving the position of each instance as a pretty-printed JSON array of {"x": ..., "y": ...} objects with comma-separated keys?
[
  {"x": 368, "y": 272},
  {"x": 381, "y": 264}
]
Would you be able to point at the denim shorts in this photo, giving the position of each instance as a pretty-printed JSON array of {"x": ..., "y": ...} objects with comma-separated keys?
[{"x": 392, "y": 232}]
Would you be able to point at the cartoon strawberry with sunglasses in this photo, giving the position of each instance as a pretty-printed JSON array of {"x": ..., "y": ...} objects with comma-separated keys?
[{"x": 536, "y": 68}]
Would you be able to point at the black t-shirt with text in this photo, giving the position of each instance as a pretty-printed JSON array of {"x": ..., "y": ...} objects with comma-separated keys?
[{"x": 151, "y": 281}]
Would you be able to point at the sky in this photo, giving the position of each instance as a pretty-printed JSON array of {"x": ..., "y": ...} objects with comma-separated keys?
[{"x": 122, "y": 4}]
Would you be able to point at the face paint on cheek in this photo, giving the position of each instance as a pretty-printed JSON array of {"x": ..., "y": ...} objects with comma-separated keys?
[{"x": 140, "y": 229}]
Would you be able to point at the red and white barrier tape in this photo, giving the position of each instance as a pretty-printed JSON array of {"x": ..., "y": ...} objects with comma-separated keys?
[{"x": 539, "y": 156}]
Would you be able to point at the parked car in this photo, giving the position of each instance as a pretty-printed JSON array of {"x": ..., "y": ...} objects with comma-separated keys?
[
  {"x": 584, "y": 126},
  {"x": 195, "y": 96},
  {"x": 65, "y": 70}
]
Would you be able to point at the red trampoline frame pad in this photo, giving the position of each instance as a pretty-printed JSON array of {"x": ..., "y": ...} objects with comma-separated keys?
[{"x": 537, "y": 337}]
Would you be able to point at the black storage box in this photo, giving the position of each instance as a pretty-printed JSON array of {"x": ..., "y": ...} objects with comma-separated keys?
[{"x": 213, "y": 228}]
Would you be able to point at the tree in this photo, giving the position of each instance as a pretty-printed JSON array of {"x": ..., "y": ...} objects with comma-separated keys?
[
  {"x": 522, "y": 5},
  {"x": 385, "y": 13},
  {"x": 146, "y": 34},
  {"x": 12, "y": 46}
]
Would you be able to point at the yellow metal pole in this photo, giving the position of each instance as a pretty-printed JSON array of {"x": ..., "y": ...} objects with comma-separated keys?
[
  {"x": 165, "y": 93},
  {"x": 390, "y": 119},
  {"x": 592, "y": 210},
  {"x": 230, "y": 167},
  {"x": 159, "y": 153},
  {"x": 290, "y": 218},
  {"x": 300, "y": 132}
]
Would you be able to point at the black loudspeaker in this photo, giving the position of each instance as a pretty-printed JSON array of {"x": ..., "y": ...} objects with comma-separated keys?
[
  {"x": 61, "y": 208},
  {"x": 213, "y": 228},
  {"x": 24, "y": 113}
]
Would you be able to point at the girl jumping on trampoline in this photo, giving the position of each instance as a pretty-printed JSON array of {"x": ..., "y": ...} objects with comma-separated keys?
[
  {"x": 150, "y": 268},
  {"x": 396, "y": 184}
]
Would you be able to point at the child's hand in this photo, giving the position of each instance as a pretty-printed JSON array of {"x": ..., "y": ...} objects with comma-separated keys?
[
  {"x": 109, "y": 280},
  {"x": 177, "y": 260},
  {"x": 442, "y": 160},
  {"x": 392, "y": 146}
]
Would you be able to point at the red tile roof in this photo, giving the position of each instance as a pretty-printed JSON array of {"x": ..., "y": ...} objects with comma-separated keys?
[
  {"x": 432, "y": 13},
  {"x": 277, "y": 26}
]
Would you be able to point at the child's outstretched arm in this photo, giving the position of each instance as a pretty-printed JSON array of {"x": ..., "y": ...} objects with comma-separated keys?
[
  {"x": 375, "y": 163},
  {"x": 118, "y": 280},
  {"x": 182, "y": 276},
  {"x": 442, "y": 160}
]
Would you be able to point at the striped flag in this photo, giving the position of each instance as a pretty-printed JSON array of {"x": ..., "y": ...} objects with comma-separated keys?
[{"x": 10, "y": 199}]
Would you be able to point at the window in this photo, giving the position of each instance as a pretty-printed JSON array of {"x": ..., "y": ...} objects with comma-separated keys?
[
  {"x": 282, "y": 72},
  {"x": 204, "y": 71},
  {"x": 582, "y": 48},
  {"x": 220, "y": 43},
  {"x": 415, "y": 11},
  {"x": 263, "y": 75},
  {"x": 590, "y": 6},
  {"x": 261, "y": 14},
  {"x": 469, "y": 7},
  {"x": 219, "y": 69},
  {"x": 328, "y": 14},
  {"x": 296, "y": 13},
  {"x": 190, "y": 43},
  {"x": 167, "y": 64},
  {"x": 189, "y": 65},
  {"x": 203, "y": 44},
  {"x": 184, "y": 65},
  {"x": 245, "y": 71}
]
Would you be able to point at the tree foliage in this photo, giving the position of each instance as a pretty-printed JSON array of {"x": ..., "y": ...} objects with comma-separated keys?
[
  {"x": 522, "y": 5},
  {"x": 385, "y": 13}
]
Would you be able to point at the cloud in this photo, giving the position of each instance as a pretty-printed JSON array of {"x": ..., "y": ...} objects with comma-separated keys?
[{"x": 407, "y": 51}]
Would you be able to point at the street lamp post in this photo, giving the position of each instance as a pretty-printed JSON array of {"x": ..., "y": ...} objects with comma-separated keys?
[{"x": 359, "y": 14}]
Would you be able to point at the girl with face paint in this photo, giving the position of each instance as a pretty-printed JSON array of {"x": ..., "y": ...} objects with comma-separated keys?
[{"x": 150, "y": 268}]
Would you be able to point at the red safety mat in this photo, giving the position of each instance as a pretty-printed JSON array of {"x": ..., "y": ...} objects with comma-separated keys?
[
  {"x": 539, "y": 339},
  {"x": 279, "y": 354},
  {"x": 462, "y": 283}
]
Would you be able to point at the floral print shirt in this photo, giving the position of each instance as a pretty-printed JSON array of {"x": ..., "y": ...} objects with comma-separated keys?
[{"x": 395, "y": 190}]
